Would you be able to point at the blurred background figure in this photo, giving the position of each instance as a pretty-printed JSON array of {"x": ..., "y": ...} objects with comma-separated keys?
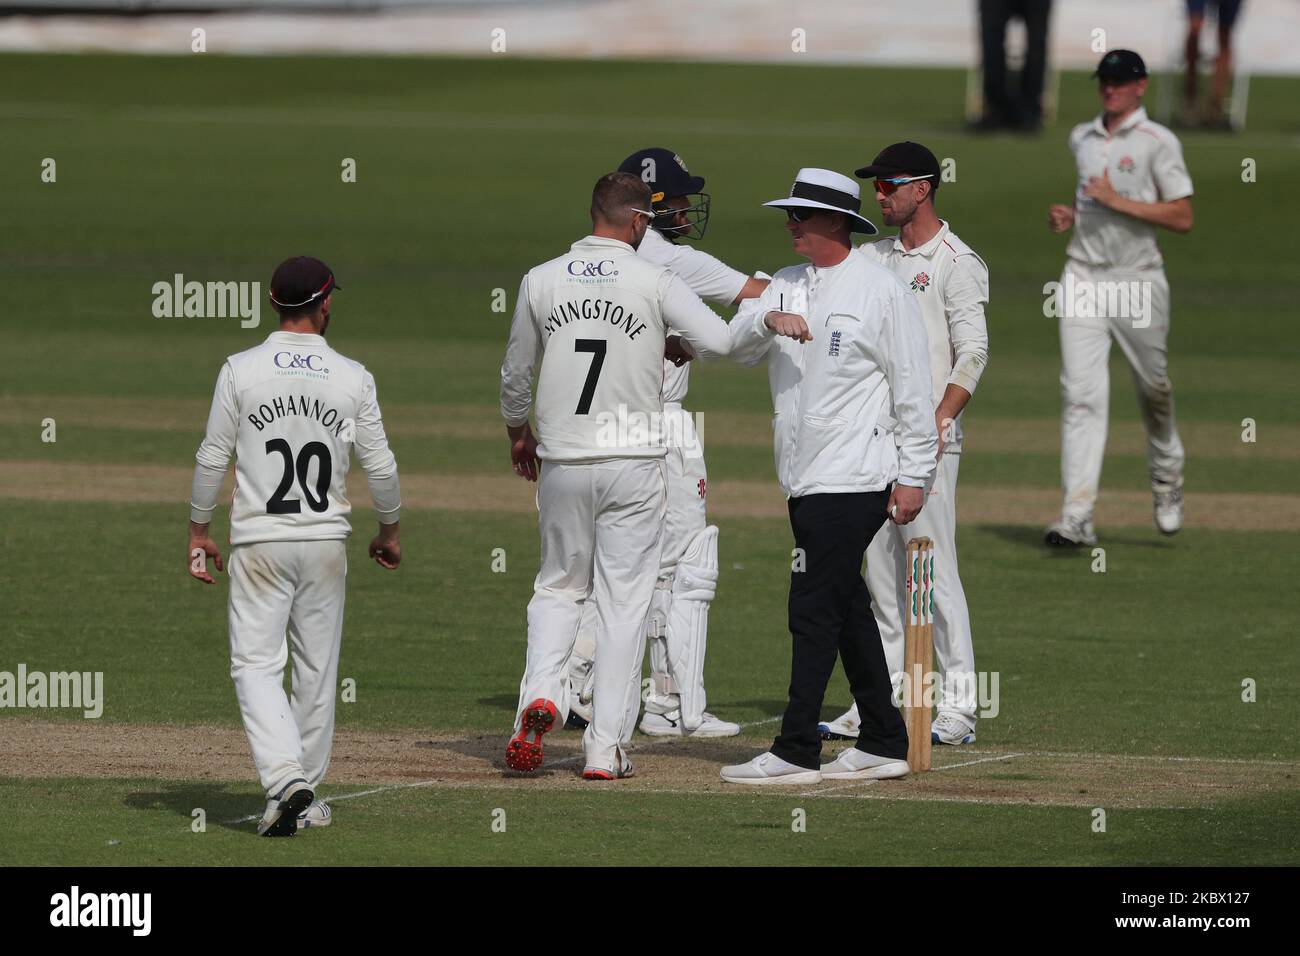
[
  {"x": 1213, "y": 115},
  {"x": 1019, "y": 107}
]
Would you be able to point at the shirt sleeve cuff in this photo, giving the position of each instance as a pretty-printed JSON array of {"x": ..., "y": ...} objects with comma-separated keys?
[{"x": 963, "y": 379}]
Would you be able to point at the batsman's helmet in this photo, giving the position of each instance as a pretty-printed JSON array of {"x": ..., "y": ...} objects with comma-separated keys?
[{"x": 669, "y": 179}]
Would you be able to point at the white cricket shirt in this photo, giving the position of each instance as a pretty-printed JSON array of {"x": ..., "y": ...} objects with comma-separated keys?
[
  {"x": 290, "y": 411},
  {"x": 1145, "y": 162},
  {"x": 951, "y": 284},
  {"x": 835, "y": 396},
  {"x": 591, "y": 325}
]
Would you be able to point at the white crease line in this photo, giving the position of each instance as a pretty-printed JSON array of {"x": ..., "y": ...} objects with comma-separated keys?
[
  {"x": 775, "y": 792},
  {"x": 758, "y": 723},
  {"x": 1144, "y": 757},
  {"x": 829, "y": 792},
  {"x": 352, "y": 796},
  {"x": 866, "y": 783},
  {"x": 981, "y": 801},
  {"x": 838, "y": 786},
  {"x": 971, "y": 763}
]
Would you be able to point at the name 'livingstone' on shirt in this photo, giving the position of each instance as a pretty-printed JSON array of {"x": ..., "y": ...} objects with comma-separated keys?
[{"x": 599, "y": 310}]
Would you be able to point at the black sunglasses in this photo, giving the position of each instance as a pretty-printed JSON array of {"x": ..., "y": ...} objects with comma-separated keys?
[{"x": 802, "y": 215}]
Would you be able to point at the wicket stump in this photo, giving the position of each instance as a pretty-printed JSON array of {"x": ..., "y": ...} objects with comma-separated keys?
[{"x": 918, "y": 653}]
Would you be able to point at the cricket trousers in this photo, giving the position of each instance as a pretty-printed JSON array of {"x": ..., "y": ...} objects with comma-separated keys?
[
  {"x": 684, "y": 522},
  {"x": 1085, "y": 385},
  {"x": 830, "y": 615},
  {"x": 601, "y": 526},
  {"x": 286, "y": 601},
  {"x": 887, "y": 583}
]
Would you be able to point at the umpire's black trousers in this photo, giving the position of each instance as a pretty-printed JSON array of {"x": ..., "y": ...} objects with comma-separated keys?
[{"x": 830, "y": 613}]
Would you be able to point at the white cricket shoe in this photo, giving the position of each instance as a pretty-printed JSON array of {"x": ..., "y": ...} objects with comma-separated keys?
[
  {"x": 769, "y": 768},
  {"x": 670, "y": 725},
  {"x": 317, "y": 815},
  {"x": 1168, "y": 506},
  {"x": 1070, "y": 532},
  {"x": 843, "y": 727},
  {"x": 855, "y": 764},
  {"x": 952, "y": 729},
  {"x": 282, "y": 810}
]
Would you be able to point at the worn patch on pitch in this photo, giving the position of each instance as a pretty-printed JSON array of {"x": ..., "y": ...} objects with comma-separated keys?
[{"x": 65, "y": 748}]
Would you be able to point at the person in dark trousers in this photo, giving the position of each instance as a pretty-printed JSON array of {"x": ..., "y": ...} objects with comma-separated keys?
[
  {"x": 847, "y": 354},
  {"x": 1019, "y": 108},
  {"x": 1215, "y": 115}
]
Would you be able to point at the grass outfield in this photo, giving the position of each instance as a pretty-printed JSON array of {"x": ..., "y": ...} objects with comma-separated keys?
[
  {"x": 1120, "y": 690},
  {"x": 131, "y": 823}
]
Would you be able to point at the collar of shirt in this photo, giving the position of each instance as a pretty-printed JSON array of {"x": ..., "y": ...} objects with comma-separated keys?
[
  {"x": 819, "y": 274},
  {"x": 928, "y": 248},
  {"x": 296, "y": 338},
  {"x": 827, "y": 271},
  {"x": 1098, "y": 126},
  {"x": 600, "y": 241}
]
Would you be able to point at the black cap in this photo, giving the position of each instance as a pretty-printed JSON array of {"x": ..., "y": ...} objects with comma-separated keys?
[
  {"x": 903, "y": 159},
  {"x": 300, "y": 281},
  {"x": 663, "y": 171},
  {"x": 1121, "y": 65}
]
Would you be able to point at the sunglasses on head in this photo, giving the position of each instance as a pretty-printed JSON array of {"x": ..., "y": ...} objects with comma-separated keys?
[{"x": 891, "y": 184}]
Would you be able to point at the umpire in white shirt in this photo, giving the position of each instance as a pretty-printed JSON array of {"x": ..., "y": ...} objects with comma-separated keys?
[{"x": 846, "y": 350}]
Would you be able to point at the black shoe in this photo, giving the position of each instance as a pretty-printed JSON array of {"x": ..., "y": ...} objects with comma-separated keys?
[
  {"x": 281, "y": 817},
  {"x": 576, "y": 721}
]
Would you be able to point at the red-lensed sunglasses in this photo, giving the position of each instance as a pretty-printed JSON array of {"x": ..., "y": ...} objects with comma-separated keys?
[{"x": 890, "y": 186}]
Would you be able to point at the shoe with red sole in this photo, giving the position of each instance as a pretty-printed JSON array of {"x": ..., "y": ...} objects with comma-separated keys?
[
  {"x": 526, "y": 755},
  {"x": 600, "y": 773}
]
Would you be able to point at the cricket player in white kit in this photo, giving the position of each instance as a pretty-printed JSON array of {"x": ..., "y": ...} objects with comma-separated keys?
[
  {"x": 951, "y": 283},
  {"x": 1132, "y": 179},
  {"x": 592, "y": 325},
  {"x": 290, "y": 411},
  {"x": 677, "y": 628}
]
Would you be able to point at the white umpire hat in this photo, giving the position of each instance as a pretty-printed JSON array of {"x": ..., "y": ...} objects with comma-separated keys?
[{"x": 825, "y": 189}]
